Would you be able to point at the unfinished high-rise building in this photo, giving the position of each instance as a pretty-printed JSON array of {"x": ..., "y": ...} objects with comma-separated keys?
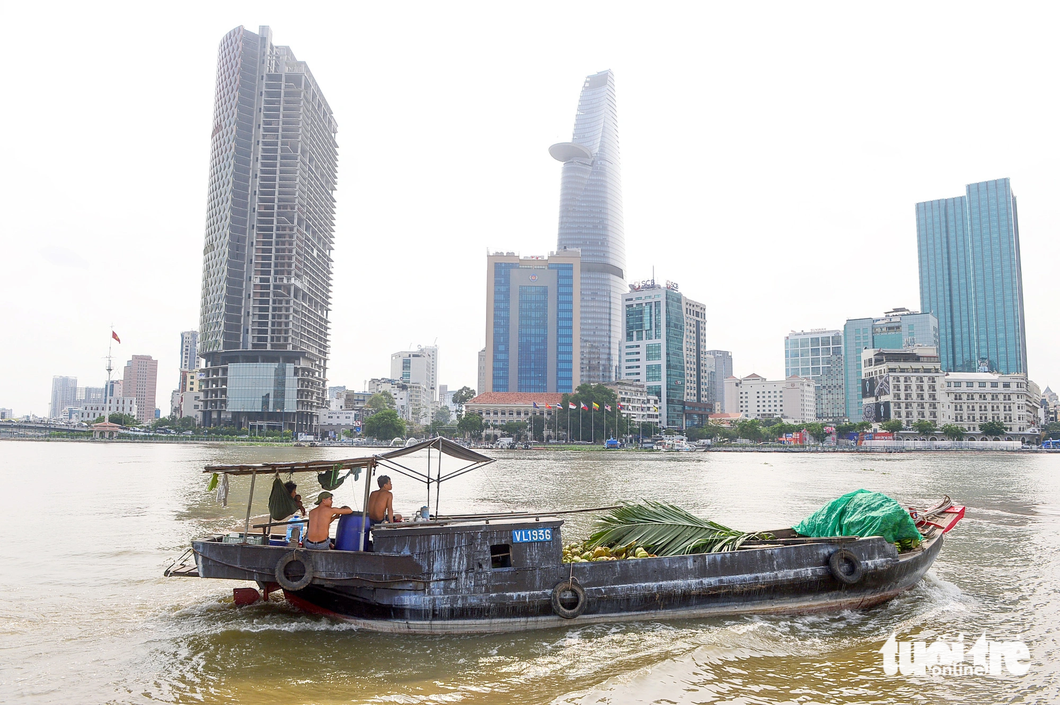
[{"x": 266, "y": 276}]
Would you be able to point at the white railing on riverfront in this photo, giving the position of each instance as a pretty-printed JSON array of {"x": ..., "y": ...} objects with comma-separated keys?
[{"x": 942, "y": 445}]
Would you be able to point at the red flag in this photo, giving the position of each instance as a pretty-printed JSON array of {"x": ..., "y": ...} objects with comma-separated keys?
[
  {"x": 572, "y": 405},
  {"x": 548, "y": 406},
  {"x": 115, "y": 336},
  {"x": 584, "y": 407}
]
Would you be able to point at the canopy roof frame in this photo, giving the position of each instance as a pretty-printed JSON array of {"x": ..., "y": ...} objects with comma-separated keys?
[{"x": 369, "y": 463}]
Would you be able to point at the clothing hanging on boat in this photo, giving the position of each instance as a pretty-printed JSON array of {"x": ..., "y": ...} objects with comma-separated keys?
[
  {"x": 222, "y": 491},
  {"x": 330, "y": 480}
]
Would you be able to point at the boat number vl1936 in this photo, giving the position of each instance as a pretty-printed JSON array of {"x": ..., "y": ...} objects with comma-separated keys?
[{"x": 531, "y": 535}]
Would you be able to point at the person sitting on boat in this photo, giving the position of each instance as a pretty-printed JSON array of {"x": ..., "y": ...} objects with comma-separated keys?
[
  {"x": 295, "y": 526},
  {"x": 292, "y": 489},
  {"x": 381, "y": 502},
  {"x": 320, "y": 520}
]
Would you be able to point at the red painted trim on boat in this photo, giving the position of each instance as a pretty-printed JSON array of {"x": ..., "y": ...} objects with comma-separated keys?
[{"x": 305, "y": 606}]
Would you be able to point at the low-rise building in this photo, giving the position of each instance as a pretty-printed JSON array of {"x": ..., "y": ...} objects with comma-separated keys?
[
  {"x": 637, "y": 404},
  {"x": 904, "y": 384},
  {"x": 974, "y": 398},
  {"x": 726, "y": 419},
  {"x": 754, "y": 396},
  {"x": 498, "y": 408},
  {"x": 119, "y": 405},
  {"x": 334, "y": 421}
]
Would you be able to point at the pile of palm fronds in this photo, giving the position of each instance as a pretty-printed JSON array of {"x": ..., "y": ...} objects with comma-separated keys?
[{"x": 666, "y": 530}]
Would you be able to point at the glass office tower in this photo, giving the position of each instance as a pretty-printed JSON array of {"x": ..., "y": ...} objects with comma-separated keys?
[
  {"x": 531, "y": 323},
  {"x": 590, "y": 220},
  {"x": 266, "y": 272},
  {"x": 971, "y": 279}
]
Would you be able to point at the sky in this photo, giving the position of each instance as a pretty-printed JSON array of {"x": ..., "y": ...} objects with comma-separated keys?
[{"x": 772, "y": 156}]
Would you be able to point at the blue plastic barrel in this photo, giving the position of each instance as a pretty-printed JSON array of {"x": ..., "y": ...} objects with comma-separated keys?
[{"x": 348, "y": 535}]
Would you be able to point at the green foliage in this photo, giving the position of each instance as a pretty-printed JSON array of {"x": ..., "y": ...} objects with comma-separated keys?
[
  {"x": 470, "y": 425},
  {"x": 751, "y": 429},
  {"x": 123, "y": 419},
  {"x": 705, "y": 431},
  {"x": 443, "y": 415},
  {"x": 463, "y": 395},
  {"x": 992, "y": 428},
  {"x": 381, "y": 401},
  {"x": 892, "y": 426},
  {"x": 842, "y": 429},
  {"x": 665, "y": 530},
  {"x": 384, "y": 425},
  {"x": 862, "y": 426},
  {"x": 815, "y": 429},
  {"x": 588, "y": 425},
  {"x": 537, "y": 425},
  {"x": 953, "y": 432},
  {"x": 924, "y": 427},
  {"x": 515, "y": 429}
]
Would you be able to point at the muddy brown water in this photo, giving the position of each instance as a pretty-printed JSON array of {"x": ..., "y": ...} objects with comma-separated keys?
[{"x": 87, "y": 617}]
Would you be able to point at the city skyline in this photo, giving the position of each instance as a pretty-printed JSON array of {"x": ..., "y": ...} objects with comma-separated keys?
[{"x": 712, "y": 175}]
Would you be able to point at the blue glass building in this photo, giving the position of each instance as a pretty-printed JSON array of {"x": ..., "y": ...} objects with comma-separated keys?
[
  {"x": 590, "y": 220},
  {"x": 971, "y": 279},
  {"x": 531, "y": 323}
]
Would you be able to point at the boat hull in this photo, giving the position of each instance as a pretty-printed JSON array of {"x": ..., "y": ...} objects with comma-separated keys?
[{"x": 405, "y": 593}]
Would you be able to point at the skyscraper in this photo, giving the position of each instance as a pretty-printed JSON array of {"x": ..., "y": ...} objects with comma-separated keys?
[
  {"x": 590, "y": 220},
  {"x": 64, "y": 394},
  {"x": 655, "y": 348},
  {"x": 971, "y": 279},
  {"x": 140, "y": 382},
  {"x": 189, "y": 349},
  {"x": 417, "y": 366},
  {"x": 531, "y": 323},
  {"x": 266, "y": 280},
  {"x": 818, "y": 355},
  {"x": 722, "y": 370}
]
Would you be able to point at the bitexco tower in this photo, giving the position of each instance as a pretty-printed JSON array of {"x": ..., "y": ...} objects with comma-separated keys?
[{"x": 590, "y": 220}]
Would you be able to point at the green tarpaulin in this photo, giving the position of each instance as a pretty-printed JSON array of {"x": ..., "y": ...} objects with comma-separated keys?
[{"x": 861, "y": 513}]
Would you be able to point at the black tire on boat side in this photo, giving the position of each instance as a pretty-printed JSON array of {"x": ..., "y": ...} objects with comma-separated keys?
[
  {"x": 281, "y": 571},
  {"x": 557, "y": 604},
  {"x": 836, "y": 562}
]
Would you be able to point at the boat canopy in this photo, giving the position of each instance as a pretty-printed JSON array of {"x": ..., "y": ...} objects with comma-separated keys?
[{"x": 442, "y": 445}]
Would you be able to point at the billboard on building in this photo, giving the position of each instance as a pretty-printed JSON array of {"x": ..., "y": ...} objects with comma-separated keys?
[
  {"x": 875, "y": 387},
  {"x": 877, "y": 411}
]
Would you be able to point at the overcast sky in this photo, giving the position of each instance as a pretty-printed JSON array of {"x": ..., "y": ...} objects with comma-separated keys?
[{"x": 772, "y": 156}]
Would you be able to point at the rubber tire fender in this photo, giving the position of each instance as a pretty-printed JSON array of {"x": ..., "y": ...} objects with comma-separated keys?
[
  {"x": 568, "y": 586},
  {"x": 835, "y": 565},
  {"x": 293, "y": 585}
]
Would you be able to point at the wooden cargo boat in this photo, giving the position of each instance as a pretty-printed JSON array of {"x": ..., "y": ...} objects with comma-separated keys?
[{"x": 498, "y": 573}]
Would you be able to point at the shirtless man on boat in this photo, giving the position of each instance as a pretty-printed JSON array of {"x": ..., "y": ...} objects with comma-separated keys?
[
  {"x": 320, "y": 520},
  {"x": 381, "y": 502}
]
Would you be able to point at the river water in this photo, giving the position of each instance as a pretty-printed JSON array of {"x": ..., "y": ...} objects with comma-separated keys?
[{"x": 87, "y": 617}]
